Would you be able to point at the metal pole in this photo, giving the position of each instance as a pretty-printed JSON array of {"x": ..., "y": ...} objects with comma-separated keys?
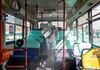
[
  {"x": 57, "y": 16},
  {"x": 64, "y": 27},
  {"x": 42, "y": 17},
  {"x": 23, "y": 30},
  {"x": 36, "y": 10},
  {"x": 26, "y": 60},
  {"x": 1, "y": 27},
  {"x": 1, "y": 41},
  {"x": 64, "y": 20}
]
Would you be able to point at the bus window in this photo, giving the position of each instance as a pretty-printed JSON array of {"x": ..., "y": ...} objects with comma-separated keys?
[
  {"x": 96, "y": 32},
  {"x": 95, "y": 11},
  {"x": 86, "y": 33},
  {"x": 74, "y": 31},
  {"x": 81, "y": 21},
  {"x": 42, "y": 24},
  {"x": 80, "y": 33},
  {"x": 18, "y": 32},
  {"x": 60, "y": 23},
  {"x": 74, "y": 28},
  {"x": 18, "y": 21},
  {"x": 28, "y": 30},
  {"x": 9, "y": 32},
  {"x": 28, "y": 24},
  {"x": 10, "y": 19},
  {"x": 28, "y": 27},
  {"x": 54, "y": 23}
]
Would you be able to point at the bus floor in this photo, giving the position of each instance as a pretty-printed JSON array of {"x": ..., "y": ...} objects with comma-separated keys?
[{"x": 40, "y": 63}]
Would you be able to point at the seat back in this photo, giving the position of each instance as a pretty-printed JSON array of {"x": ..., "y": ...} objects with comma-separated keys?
[
  {"x": 91, "y": 59},
  {"x": 77, "y": 51},
  {"x": 78, "y": 47}
]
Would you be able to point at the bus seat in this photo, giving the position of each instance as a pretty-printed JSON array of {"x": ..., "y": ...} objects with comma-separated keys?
[
  {"x": 77, "y": 51},
  {"x": 60, "y": 35},
  {"x": 69, "y": 54},
  {"x": 68, "y": 45},
  {"x": 91, "y": 59},
  {"x": 33, "y": 40},
  {"x": 33, "y": 46},
  {"x": 4, "y": 56},
  {"x": 78, "y": 47},
  {"x": 32, "y": 43}
]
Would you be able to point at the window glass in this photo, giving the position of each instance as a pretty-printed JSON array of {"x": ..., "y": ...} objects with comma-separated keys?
[
  {"x": 10, "y": 18},
  {"x": 74, "y": 28},
  {"x": 28, "y": 24},
  {"x": 96, "y": 33},
  {"x": 28, "y": 30},
  {"x": 95, "y": 11},
  {"x": 55, "y": 23},
  {"x": 80, "y": 33},
  {"x": 60, "y": 24},
  {"x": 18, "y": 21},
  {"x": 86, "y": 32},
  {"x": 9, "y": 32},
  {"x": 74, "y": 31},
  {"x": 83, "y": 19},
  {"x": 18, "y": 32},
  {"x": 74, "y": 24},
  {"x": 42, "y": 24}
]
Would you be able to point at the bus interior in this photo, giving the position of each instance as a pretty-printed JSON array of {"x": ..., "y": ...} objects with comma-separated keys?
[{"x": 50, "y": 35}]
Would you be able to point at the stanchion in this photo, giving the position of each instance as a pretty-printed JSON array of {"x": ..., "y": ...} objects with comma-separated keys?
[
  {"x": 64, "y": 27},
  {"x": 26, "y": 60},
  {"x": 42, "y": 17},
  {"x": 1, "y": 27},
  {"x": 1, "y": 33},
  {"x": 64, "y": 22}
]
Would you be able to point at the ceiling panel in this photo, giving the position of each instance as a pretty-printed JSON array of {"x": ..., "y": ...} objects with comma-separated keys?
[
  {"x": 70, "y": 4},
  {"x": 49, "y": 7}
]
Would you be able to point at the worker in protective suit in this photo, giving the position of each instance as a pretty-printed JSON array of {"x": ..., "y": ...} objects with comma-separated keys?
[{"x": 51, "y": 35}]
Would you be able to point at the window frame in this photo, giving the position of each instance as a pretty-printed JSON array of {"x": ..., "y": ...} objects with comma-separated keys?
[
  {"x": 81, "y": 25},
  {"x": 94, "y": 19},
  {"x": 14, "y": 24}
]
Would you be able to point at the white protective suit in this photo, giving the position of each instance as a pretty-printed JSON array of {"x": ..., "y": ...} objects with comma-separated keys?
[{"x": 51, "y": 35}]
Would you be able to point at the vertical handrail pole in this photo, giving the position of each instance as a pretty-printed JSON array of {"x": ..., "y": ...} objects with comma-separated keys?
[
  {"x": 64, "y": 20},
  {"x": 1, "y": 35},
  {"x": 1, "y": 26},
  {"x": 57, "y": 16},
  {"x": 42, "y": 17},
  {"x": 36, "y": 10},
  {"x": 64, "y": 27},
  {"x": 26, "y": 60}
]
